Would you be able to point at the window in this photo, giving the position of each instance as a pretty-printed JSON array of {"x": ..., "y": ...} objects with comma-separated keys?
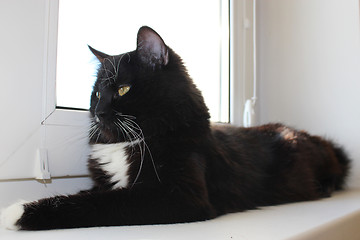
[
  {"x": 196, "y": 30},
  {"x": 51, "y": 141}
]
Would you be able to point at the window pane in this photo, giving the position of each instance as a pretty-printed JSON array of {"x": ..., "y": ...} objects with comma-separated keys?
[{"x": 191, "y": 28}]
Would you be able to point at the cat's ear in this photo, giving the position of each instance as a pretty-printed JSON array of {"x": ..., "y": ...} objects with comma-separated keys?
[
  {"x": 151, "y": 49},
  {"x": 99, "y": 55}
]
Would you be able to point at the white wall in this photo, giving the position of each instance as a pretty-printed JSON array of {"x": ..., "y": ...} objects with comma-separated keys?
[
  {"x": 308, "y": 68},
  {"x": 21, "y": 75}
]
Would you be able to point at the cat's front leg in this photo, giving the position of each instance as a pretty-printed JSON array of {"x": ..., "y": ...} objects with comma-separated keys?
[
  {"x": 50, "y": 213},
  {"x": 43, "y": 214},
  {"x": 110, "y": 208}
]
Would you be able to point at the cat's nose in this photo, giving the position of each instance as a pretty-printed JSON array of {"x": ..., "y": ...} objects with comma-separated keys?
[
  {"x": 97, "y": 119},
  {"x": 100, "y": 116},
  {"x": 102, "y": 110}
]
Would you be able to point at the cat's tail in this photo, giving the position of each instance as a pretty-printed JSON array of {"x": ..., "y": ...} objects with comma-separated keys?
[
  {"x": 334, "y": 171},
  {"x": 344, "y": 163}
]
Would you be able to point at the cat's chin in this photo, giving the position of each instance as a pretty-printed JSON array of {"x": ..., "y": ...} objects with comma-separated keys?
[{"x": 106, "y": 136}]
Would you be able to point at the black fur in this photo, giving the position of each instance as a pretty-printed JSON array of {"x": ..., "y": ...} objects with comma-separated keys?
[{"x": 191, "y": 171}]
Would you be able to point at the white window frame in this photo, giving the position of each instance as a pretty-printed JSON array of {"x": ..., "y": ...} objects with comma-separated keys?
[
  {"x": 62, "y": 150},
  {"x": 60, "y": 125}
]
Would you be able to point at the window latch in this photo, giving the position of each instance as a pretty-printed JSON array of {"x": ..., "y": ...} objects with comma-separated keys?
[{"x": 42, "y": 171}]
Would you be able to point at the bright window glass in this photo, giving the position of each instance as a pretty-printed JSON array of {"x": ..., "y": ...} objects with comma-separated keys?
[{"x": 193, "y": 29}]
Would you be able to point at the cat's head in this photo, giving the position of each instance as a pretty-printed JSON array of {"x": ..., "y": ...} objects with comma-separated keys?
[{"x": 143, "y": 92}]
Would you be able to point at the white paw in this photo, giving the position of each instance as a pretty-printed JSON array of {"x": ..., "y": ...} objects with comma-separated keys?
[{"x": 10, "y": 215}]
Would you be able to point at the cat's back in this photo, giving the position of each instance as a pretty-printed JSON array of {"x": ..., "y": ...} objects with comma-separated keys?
[
  {"x": 230, "y": 137},
  {"x": 260, "y": 137},
  {"x": 270, "y": 144},
  {"x": 254, "y": 155}
]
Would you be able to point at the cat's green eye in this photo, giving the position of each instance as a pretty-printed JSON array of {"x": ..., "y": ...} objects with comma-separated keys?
[
  {"x": 98, "y": 95},
  {"x": 123, "y": 90}
]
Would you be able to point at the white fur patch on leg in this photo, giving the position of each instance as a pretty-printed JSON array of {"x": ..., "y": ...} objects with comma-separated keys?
[{"x": 10, "y": 215}]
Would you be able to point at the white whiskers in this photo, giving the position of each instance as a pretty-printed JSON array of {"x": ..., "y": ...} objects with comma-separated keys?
[
  {"x": 131, "y": 132},
  {"x": 135, "y": 135}
]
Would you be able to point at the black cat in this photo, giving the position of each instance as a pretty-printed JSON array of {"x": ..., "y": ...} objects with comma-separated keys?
[{"x": 156, "y": 159}]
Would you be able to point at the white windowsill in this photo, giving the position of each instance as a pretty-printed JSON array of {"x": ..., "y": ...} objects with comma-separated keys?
[{"x": 333, "y": 218}]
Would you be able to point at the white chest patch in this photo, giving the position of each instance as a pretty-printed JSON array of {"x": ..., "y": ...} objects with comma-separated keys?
[{"x": 112, "y": 159}]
